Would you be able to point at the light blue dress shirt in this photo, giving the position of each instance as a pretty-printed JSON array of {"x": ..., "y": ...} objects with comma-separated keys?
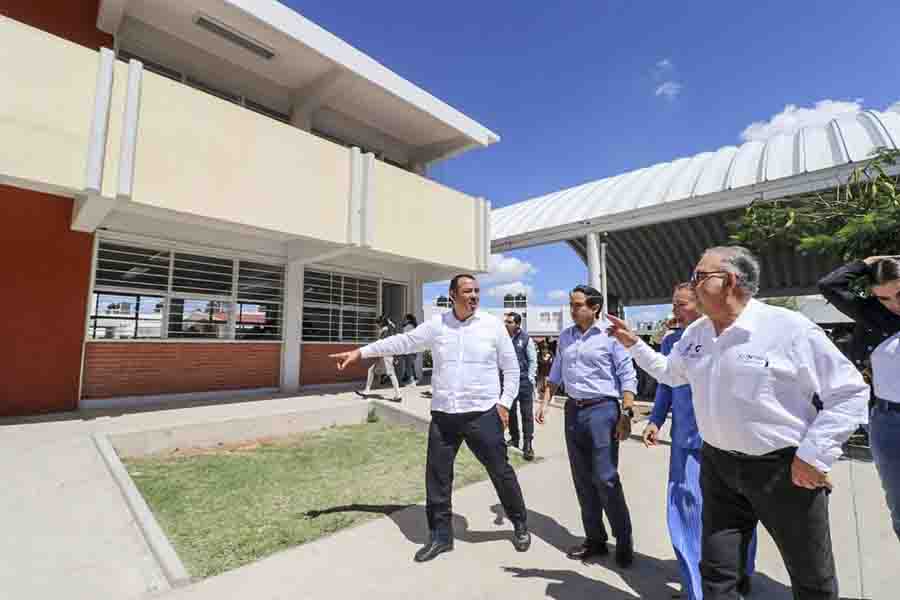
[{"x": 592, "y": 364}]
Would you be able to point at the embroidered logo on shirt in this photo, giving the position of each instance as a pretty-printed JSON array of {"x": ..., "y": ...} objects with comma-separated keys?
[{"x": 753, "y": 359}]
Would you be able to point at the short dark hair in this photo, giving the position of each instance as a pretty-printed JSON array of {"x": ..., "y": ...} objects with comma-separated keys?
[
  {"x": 516, "y": 317},
  {"x": 594, "y": 297},
  {"x": 454, "y": 283},
  {"x": 884, "y": 271}
]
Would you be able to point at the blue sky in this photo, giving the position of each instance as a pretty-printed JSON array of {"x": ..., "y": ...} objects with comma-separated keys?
[{"x": 587, "y": 89}]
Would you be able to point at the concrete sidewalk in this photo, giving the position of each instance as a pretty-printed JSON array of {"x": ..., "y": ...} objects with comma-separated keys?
[{"x": 70, "y": 535}]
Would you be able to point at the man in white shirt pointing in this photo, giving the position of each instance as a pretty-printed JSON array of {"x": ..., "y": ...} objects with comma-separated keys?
[
  {"x": 468, "y": 348},
  {"x": 754, "y": 370}
]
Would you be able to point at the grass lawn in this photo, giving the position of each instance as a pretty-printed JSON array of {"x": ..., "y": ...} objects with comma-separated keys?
[{"x": 231, "y": 506}]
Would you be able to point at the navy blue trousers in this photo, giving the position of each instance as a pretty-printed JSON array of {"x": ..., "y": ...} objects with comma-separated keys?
[{"x": 594, "y": 459}]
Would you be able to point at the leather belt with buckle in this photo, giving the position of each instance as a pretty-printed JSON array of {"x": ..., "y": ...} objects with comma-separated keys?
[
  {"x": 887, "y": 405},
  {"x": 591, "y": 401}
]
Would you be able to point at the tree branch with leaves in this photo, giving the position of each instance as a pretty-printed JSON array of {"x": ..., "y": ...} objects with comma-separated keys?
[{"x": 853, "y": 220}]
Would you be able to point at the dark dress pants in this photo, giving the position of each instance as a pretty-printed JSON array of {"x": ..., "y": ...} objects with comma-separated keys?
[
  {"x": 524, "y": 402},
  {"x": 483, "y": 434},
  {"x": 594, "y": 459},
  {"x": 739, "y": 491}
]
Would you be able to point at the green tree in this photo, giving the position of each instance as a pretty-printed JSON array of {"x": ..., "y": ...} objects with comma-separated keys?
[
  {"x": 853, "y": 220},
  {"x": 789, "y": 302}
]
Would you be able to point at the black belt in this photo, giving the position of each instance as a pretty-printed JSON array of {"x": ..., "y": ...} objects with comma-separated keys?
[
  {"x": 583, "y": 403},
  {"x": 887, "y": 405},
  {"x": 781, "y": 452}
]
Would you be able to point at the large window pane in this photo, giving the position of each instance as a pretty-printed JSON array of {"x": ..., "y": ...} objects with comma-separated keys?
[
  {"x": 260, "y": 282},
  {"x": 194, "y": 274},
  {"x": 258, "y": 321},
  {"x": 125, "y": 316},
  {"x": 130, "y": 267},
  {"x": 198, "y": 318},
  {"x": 321, "y": 324}
]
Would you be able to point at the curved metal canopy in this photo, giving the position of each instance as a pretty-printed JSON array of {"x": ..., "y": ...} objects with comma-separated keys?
[{"x": 660, "y": 218}]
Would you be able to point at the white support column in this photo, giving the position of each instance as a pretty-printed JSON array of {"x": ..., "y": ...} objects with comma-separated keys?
[
  {"x": 603, "y": 273},
  {"x": 291, "y": 316},
  {"x": 593, "y": 260}
]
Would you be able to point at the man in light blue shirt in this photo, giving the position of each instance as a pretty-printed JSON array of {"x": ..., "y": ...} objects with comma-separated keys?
[{"x": 596, "y": 370}]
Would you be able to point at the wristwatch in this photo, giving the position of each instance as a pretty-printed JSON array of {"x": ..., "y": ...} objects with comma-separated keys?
[{"x": 629, "y": 412}]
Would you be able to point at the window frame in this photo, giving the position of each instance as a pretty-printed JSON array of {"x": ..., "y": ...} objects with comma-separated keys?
[{"x": 168, "y": 295}]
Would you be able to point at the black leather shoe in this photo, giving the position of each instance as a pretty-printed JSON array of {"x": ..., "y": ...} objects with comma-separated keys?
[
  {"x": 528, "y": 451},
  {"x": 624, "y": 555},
  {"x": 432, "y": 549},
  {"x": 513, "y": 443},
  {"x": 586, "y": 550},
  {"x": 744, "y": 587},
  {"x": 521, "y": 537}
]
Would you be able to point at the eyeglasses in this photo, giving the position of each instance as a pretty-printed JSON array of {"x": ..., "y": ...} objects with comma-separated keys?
[{"x": 699, "y": 277}]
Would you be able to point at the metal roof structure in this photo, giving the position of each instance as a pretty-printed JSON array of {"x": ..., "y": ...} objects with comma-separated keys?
[{"x": 659, "y": 219}]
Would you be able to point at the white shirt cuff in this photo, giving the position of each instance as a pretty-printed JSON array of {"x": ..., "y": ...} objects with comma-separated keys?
[{"x": 808, "y": 453}]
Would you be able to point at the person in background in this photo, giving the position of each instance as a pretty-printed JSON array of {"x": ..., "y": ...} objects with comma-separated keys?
[
  {"x": 684, "y": 501},
  {"x": 526, "y": 353},
  {"x": 879, "y": 315},
  {"x": 384, "y": 364},
  {"x": 410, "y": 373},
  {"x": 545, "y": 361}
]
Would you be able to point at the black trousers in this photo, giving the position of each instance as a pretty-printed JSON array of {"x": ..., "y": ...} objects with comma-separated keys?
[
  {"x": 739, "y": 491},
  {"x": 483, "y": 434},
  {"x": 524, "y": 402}
]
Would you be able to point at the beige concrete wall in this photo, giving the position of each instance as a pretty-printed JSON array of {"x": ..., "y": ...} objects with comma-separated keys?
[
  {"x": 202, "y": 155},
  {"x": 416, "y": 217},
  {"x": 46, "y": 104}
]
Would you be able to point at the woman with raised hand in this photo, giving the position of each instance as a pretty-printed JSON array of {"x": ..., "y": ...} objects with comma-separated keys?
[{"x": 879, "y": 313}]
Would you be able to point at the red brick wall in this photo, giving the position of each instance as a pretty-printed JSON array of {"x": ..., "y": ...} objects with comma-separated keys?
[
  {"x": 316, "y": 367},
  {"x": 74, "y": 20},
  {"x": 145, "y": 368},
  {"x": 45, "y": 269}
]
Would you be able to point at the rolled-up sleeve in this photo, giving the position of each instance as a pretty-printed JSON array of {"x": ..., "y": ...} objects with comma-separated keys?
[
  {"x": 626, "y": 374},
  {"x": 842, "y": 390},
  {"x": 509, "y": 367},
  {"x": 531, "y": 351}
]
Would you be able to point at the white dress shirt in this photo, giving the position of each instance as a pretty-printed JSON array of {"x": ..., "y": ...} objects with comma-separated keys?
[
  {"x": 753, "y": 385},
  {"x": 886, "y": 369},
  {"x": 466, "y": 356}
]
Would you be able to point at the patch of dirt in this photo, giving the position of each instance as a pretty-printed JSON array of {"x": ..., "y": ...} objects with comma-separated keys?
[{"x": 237, "y": 447}]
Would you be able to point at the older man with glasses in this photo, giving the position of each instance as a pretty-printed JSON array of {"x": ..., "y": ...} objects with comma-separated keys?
[{"x": 754, "y": 370}]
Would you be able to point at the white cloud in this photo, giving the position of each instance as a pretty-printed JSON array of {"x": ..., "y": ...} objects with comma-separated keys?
[
  {"x": 794, "y": 118},
  {"x": 514, "y": 287},
  {"x": 558, "y": 295},
  {"x": 894, "y": 107},
  {"x": 669, "y": 89},
  {"x": 506, "y": 269}
]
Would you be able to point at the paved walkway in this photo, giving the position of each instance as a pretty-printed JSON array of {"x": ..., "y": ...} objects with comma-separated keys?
[{"x": 68, "y": 534}]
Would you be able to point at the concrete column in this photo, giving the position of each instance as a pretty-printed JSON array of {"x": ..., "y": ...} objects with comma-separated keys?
[
  {"x": 291, "y": 315},
  {"x": 593, "y": 260}
]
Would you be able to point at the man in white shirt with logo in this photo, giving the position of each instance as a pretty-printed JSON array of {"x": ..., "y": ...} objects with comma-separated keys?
[
  {"x": 469, "y": 348},
  {"x": 754, "y": 370}
]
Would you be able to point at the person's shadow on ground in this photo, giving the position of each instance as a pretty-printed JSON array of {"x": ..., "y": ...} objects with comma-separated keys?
[{"x": 650, "y": 577}]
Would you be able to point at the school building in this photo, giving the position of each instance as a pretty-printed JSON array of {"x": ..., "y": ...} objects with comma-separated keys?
[{"x": 209, "y": 195}]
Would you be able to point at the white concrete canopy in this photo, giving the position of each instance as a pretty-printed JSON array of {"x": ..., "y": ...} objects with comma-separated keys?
[
  {"x": 317, "y": 70},
  {"x": 660, "y": 218}
]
